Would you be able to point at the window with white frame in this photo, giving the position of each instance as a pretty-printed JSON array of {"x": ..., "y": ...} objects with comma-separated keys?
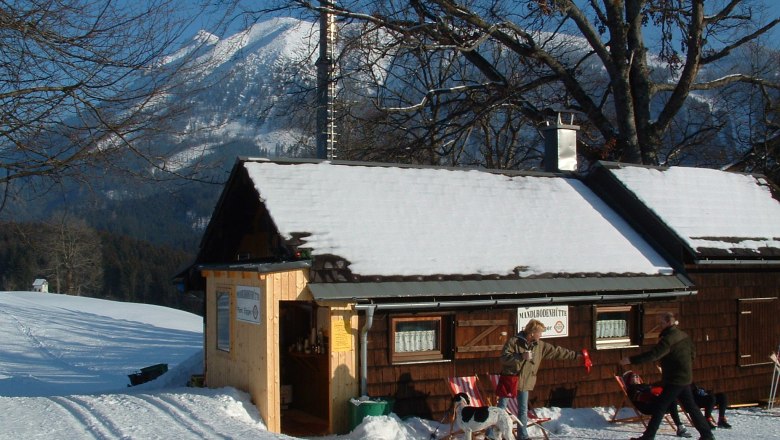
[
  {"x": 415, "y": 339},
  {"x": 614, "y": 326},
  {"x": 223, "y": 321}
]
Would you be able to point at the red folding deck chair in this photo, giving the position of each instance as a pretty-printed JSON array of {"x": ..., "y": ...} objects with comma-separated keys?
[
  {"x": 627, "y": 403},
  {"x": 471, "y": 387},
  {"x": 533, "y": 418},
  {"x": 638, "y": 416}
]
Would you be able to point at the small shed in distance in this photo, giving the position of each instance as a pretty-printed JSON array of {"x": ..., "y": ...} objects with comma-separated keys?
[{"x": 40, "y": 285}]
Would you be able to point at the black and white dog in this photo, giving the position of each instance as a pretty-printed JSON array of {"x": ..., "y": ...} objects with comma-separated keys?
[{"x": 478, "y": 418}]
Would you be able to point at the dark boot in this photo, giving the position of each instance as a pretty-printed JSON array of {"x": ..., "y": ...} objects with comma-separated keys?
[{"x": 682, "y": 432}]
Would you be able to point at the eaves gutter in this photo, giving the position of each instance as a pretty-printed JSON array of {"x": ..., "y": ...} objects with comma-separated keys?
[
  {"x": 432, "y": 305},
  {"x": 255, "y": 267},
  {"x": 735, "y": 262}
]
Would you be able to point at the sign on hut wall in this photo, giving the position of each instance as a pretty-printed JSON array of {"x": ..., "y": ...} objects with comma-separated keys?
[
  {"x": 341, "y": 339},
  {"x": 248, "y": 304},
  {"x": 555, "y": 318}
]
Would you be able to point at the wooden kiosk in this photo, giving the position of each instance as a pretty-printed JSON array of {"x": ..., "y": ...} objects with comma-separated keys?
[{"x": 259, "y": 323}]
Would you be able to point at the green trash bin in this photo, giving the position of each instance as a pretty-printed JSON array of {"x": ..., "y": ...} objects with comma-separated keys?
[{"x": 360, "y": 408}]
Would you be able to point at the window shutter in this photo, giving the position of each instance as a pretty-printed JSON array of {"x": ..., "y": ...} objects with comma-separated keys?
[
  {"x": 756, "y": 316},
  {"x": 478, "y": 338}
]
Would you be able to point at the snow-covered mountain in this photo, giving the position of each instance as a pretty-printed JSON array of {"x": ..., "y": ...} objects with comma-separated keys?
[
  {"x": 239, "y": 90},
  {"x": 233, "y": 97}
]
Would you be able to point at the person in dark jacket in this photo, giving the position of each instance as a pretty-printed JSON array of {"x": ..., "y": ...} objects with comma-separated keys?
[
  {"x": 674, "y": 352},
  {"x": 521, "y": 357}
]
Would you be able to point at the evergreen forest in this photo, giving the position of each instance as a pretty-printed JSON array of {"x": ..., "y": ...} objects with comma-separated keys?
[{"x": 76, "y": 259}]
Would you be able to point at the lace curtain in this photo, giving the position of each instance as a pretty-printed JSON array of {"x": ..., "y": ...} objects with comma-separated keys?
[
  {"x": 415, "y": 340},
  {"x": 611, "y": 328}
]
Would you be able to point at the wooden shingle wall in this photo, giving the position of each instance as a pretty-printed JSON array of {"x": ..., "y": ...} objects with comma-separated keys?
[
  {"x": 709, "y": 317},
  {"x": 421, "y": 390},
  {"x": 713, "y": 319}
]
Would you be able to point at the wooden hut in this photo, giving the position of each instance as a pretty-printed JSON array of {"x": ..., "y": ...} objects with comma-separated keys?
[
  {"x": 327, "y": 281},
  {"x": 722, "y": 230}
]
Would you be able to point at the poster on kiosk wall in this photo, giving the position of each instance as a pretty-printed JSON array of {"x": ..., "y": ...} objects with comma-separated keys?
[
  {"x": 555, "y": 319},
  {"x": 248, "y": 304}
]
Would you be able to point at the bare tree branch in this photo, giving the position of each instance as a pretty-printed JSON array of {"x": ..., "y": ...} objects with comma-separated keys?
[
  {"x": 83, "y": 82},
  {"x": 723, "y": 81}
]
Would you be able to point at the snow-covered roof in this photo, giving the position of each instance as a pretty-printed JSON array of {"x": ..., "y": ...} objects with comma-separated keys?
[
  {"x": 711, "y": 211},
  {"x": 399, "y": 221},
  {"x": 39, "y": 282}
]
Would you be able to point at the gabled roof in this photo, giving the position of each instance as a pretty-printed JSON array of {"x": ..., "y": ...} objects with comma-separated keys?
[
  {"x": 382, "y": 232},
  {"x": 713, "y": 215},
  {"x": 395, "y": 221}
]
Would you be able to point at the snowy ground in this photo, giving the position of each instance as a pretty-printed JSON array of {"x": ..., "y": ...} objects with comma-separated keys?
[{"x": 63, "y": 375}]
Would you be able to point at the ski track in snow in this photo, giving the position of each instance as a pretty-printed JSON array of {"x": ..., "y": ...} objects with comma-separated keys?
[
  {"x": 102, "y": 416},
  {"x": 108, "y": 417},
  {"x": 183, "y": 418},
  {"x": 27, "y": 333},
  {"x": 88, "y": 416},
  {"x": 43, "y": 349}
]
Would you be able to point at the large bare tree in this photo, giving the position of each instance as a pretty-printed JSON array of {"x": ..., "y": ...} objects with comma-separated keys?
[
  {"x": 632, "y": 70},
  {"x": 72, "y": 255}
]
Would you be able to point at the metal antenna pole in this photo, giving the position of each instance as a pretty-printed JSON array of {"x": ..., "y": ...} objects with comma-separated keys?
[{"x": 326, "y": 85}]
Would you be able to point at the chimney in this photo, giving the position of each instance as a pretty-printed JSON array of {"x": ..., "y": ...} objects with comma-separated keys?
[{"x": 560, "y": 146}]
